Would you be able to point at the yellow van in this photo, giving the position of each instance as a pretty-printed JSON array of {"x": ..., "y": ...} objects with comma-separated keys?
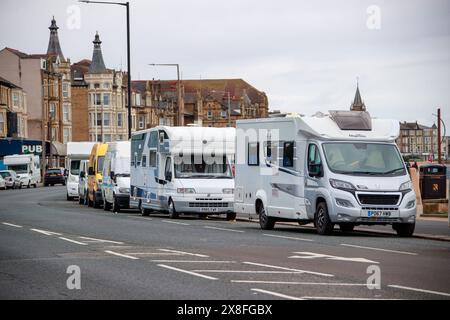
[{"x": 96, "y": 160}]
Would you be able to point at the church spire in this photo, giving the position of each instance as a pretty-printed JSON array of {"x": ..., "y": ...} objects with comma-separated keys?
[
  {"x": 97, "y": 65},
  {"x": 54, "y": 48},
  {"x": 358, "y": 104}
]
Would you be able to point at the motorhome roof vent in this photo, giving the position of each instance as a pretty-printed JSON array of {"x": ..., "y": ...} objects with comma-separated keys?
[{"x": 352, "y": 120}]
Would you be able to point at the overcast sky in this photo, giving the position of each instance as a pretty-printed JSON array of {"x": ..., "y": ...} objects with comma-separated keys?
[{"x": 306, "y": 55}]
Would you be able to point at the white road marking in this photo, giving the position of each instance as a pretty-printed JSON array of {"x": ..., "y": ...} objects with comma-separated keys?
[
  {"x": 175, "y": 222},
  {"x": 378, "y": 249},
  {"x": 121, "y": 255},
  {"x": 186, "y": 253},
  {"x": 276, "y": 294},
  {"x": 187, "y": 271},
  {"x": 249, "y": 271},
  {"x": 101, "y": 240},
  {"x": 47, "y": 233},
  {"x": 223, "y": 229},
  {"x": 191, "y": 261},
  {"x": 12, "y": 225},
  {"x": 303, "y": 283},
  {"x": 285, "y": 237},
  {"x": 342, "y": 298},
  {"x": 420, "y": 290},
  {"x": 313, "y": 255},
  {"x": 73, "y": 241},
  {"x": 154, "y": 253},
  {"x": 288, "y": 269}
]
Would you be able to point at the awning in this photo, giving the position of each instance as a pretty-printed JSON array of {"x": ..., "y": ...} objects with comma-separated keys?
[{"x": 58, "y": 148}]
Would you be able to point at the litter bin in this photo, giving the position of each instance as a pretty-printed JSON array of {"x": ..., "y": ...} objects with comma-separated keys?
[{"x": 432, "y": 181}]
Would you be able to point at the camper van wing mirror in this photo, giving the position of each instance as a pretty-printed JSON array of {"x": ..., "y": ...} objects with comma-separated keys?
[
  {"x": 315, "y": 170},
  {"x": 169, "y": 176},
  {"x": 82, "y": 174},
  {"x": 112, "y": 175},
  {"x": 91, "y": 171}
]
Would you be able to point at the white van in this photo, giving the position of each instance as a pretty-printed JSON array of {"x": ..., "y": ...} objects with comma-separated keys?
[
  {"x": 183, "y": 170},
  {"x": 83, "y": 182},
  {"x": 343, "y": 168},
  {"x": 76, "y": 153},
  {"x": 116, "y": 176},
  {"x": 27, "y": 168}
]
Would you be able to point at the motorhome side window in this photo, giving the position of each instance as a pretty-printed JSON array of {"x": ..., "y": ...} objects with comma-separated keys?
[
  {"x": 153, "y": 140},
  {"x": 288, "y": 154},
  {"x": 144, "y": 160},
  {"x": 152, "y": 157},
  {"x": 314, "y": 160},
  {"x": 168, "y": 169},
  {"x": 271, "y": 150},
  {"x": 253, "y": 154}
]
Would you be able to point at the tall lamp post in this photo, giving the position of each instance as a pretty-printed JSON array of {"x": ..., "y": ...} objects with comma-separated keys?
[
  {"x": 127, "y": 5},
  {"x": 180, "y": 110}
]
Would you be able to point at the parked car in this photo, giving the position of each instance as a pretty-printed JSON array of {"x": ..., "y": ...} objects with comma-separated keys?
[
  {"x": 2, "y": 183},
  {"x": 55, "y": 176},
  {"x": 11, "y": 179}
]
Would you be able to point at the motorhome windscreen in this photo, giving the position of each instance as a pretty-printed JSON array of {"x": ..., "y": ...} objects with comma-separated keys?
[
  {"x": 100, "y": 163},
  {"x": 360, "y": 158},
  {"x": 352, "y": 120},
  {"x": 18, "y": 168},
  {"x": 75, "y": 167},
  {"x": 198, "y": 168}
]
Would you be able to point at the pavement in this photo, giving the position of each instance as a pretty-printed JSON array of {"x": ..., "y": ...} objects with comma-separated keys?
[{"x": 44, "y": 238}]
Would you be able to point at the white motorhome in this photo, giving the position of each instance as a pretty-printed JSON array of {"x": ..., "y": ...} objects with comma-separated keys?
[
  {"x": 183, "y": 170},
  {"x": 27, "y": 168},
  {"x": 341, "y": 168},
  {"x": 76, "y": 153},
  {"x": 116, "y": 176}
]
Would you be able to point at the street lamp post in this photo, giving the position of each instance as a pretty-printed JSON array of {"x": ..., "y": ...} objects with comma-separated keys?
[
  {"x": 127, "y": 5},
  {"x": 180, "y": 109}
]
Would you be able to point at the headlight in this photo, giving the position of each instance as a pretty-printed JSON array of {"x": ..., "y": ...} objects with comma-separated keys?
[
  {"x": 185, "y": 190},
  {"x": 411, "y": 204},
  {"x": 344, "y": 203},
  {"x": 124, "y": 190},
  {"x": 228, "y": 191},
  {"x": 405, "y": 186},
  {"x": 343, "y": 185}
]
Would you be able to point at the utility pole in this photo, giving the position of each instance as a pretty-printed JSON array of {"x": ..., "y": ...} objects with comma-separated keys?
[{"x": 439, "y": 136}]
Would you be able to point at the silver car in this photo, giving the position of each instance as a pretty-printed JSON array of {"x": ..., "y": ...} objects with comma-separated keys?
[{"x": 11, "y": 179}]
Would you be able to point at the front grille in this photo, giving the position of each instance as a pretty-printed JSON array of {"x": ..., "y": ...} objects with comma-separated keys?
[
  {"x": 378, "y": 219},
  {"x": 379, "y": 199},
  {"x": 380, "y": 208},
  {"x": 208, "y": 204},
  {"x": 208, "y": 199}
]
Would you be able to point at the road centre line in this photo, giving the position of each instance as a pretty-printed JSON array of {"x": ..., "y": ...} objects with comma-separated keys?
[
  {"x": 249, "y": 271},
  {"x": 11, "y": 225},
  {"x": 420, "y": 290},
  {"x": 185, "y": 253},
  {"x": 191, "y": 261},
  {"x": 276, "y": 294},
  {"x": 187, "y": 271},
  {"x": 223, "y": 229},
  {"x": 302, "y": 283},
  {"x": 121, "y": 255},
  {"x": 47, "y": 233},
  {"x": 343, "y": 298},
  {"x": 73, "y": 241},
  {"x": 286, "y": 237},
  {"x": 288, "y": 269},
  {"x": 175, "y": 222},
  {"x": 379, "y": 249},
  {"x": 153, "y": 253},
  {"x": 101, "y": 240}
]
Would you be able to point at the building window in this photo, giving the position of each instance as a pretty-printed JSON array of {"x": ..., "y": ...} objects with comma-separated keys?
[
  {"x": 106, "y": 85},
  {"x": 99, "y": 138},
  {"x": 65, "y": 135},
  {"x": 223, "y": 114},
  {"x": 65, "y": 89},
  {"x": 141, "y": 122},
  {"x": 96, "y": 85},
  {"x": 53, "y": 134},
  {"x": 133, "y": 125},
  {"x": 52, "y": 111},
  {"x": 138, "y": 99},
  {"x": 107, "y": 138},
  {"x": 99, "y": 119},
  {"x": 2, "y": 122},
  {"x": 106, "y": 99},
  {"x": 120, "y": 120},
  {"x": 107, "y": 119},
  {"x": 119, "y": 137},
  {"x": 16, "y": 99},
  {"x": 65, "y": 112},
  {"x": 209, "y": 115},
  {"x": 97, "y": 99}
]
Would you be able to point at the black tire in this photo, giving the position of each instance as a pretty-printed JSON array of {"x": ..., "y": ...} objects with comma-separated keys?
[
  {"x": 346, "y": 227},
  {"x": 203, "y": 215},
  {"x": 21, "y": 185},
  {"x": 90, "y": 203},
  {"x": 404, "y": 229},
  {"x": 45, "y": 184},
  {"x": 265, "y": 222},
  {"x": 106, "y": 205},
  {"x": 144, "y": 212},
  {"x": 173, "y": 214},
  {"x": 69, "y": 198},
  {"x": 96, "y": 204},
  {"x": 115, "y": 205},
  {"x": 324, "y": 226},
  {"x": 35, "y": 185},
  {"x": 29, "y": 185},
  {"x": 231, "y": 216},
  {"x": 80, "y": 200}
]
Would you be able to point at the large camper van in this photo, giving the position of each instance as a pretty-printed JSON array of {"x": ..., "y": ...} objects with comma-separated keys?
[
  {"x": 77, "y": 152},
  {"x": 27, "y": 168},
  {"x": 95, "y": 169},
  {"x": 339, "y": 168},
  {"x": 183, "y": 170},
  {"x": 116, "y": 176}
]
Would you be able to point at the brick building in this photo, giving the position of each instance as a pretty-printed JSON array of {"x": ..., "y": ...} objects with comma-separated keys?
[{"x": 13, "y": 110}]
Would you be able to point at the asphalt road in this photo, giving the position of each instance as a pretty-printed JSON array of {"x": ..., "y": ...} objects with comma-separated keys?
[{"x": 127, "y": 256}]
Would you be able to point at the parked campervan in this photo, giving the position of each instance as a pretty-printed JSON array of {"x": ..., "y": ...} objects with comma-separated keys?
[
  {"x": 76, "y": 153},
  {"x": 27, "y": 168},
  {"x": 116, "y": 176},
  {"x": 183, "y": 170},
  {"x": 339, "y": 168},
  {"x": 83, "y": 182},
  {"x": 96, "y": 161}
]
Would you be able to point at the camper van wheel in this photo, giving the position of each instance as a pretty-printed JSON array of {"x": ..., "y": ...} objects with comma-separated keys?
[
  {"x": 80, "y": 200},
  {"x": 231, "y": 216},
  {"x": 173, "y": 214},
  {"x": 106, "y": 205},
  {"x": 35, "y": 185},
  {"x": 266, "y": 222},
  {"x": 96, "y": 204},
  {"x": 404, "y": 229},
  {"x": 115, "y": 205},
  {"x": 29, "y": 184},
  {"x": 346, "y": 227},
  {"x": 144, "y": 212},
  {"x": 323, "y": 223},
  {"x": 69, "y": 198},
  {"x": 89, "y": 202}
]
